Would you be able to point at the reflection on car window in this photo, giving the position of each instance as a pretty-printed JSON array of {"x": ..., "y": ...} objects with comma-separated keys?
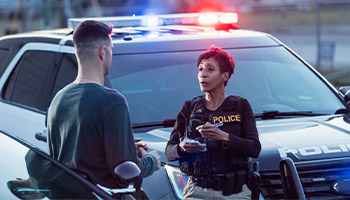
[
  {"x": 28, "y": 81},
  {"x": 3, "y": 55},
  {"x": 147, "y": 97},
  {"x": 67, "y": 72},
  {"x": 271, "y": 78},
  {"x": 27, "y": 175}
]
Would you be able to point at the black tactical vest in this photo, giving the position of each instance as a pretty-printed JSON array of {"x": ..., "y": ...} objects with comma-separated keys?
[{"x": 217, "y": 159}]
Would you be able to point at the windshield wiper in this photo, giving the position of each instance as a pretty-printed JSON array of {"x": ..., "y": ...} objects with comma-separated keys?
[
  {"x": 272, "y": 114},
  {"x": 165, "y": 123}
]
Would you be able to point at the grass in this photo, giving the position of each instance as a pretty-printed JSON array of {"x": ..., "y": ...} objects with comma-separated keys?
[{"x": 338, "y": 77}]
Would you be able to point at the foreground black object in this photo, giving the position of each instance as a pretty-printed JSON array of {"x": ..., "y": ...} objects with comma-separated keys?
[{"x": 292, "y": 188}]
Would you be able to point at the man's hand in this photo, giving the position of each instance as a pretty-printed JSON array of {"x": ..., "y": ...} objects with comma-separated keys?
[
  {"x": 191, "y": 147},
  {"x": 213, "y": 132},
  {"x": 154, "y": 153},
  {"x": 140, "y": 145}
]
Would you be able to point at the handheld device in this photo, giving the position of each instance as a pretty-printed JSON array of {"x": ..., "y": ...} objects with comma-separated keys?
[{"x": 192, "y": 142}]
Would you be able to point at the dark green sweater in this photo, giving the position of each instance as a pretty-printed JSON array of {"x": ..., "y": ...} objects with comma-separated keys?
[{"x": 89, "y": 130}]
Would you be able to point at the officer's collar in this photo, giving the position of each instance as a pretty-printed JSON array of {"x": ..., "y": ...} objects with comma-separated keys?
[{"x": 201, "y": 103}]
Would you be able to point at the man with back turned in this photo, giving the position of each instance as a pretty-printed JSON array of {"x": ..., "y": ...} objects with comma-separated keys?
[{"x": 89, "y": 127}]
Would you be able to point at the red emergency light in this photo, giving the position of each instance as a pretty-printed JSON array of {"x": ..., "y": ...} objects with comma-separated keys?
[{"x": 211, "y": 19}]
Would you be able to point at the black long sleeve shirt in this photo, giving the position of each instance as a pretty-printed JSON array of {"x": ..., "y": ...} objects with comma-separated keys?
[{"x": 238, "y": 120}]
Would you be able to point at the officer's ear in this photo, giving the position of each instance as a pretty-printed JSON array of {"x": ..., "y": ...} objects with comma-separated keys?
[{"x": 225, "y": 76}]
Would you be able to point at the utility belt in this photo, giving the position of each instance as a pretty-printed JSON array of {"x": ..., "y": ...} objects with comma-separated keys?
[{"x": 230, "y": 183}]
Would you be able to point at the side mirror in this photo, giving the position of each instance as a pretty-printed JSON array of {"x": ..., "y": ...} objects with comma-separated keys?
[
  {"x": 128, "y": 177},
  {"x": 346, "y": 92},
  {"x": 291, "y": 184},
  {"x": 128, "y": 173}
]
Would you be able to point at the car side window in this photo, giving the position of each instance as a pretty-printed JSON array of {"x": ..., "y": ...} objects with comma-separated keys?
[
  {"x": 3, "y": 54},
  {"x": 27, "y": 82},
  {"x": 66, "y": 74}
]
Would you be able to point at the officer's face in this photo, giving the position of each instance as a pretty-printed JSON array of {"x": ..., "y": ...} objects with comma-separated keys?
[{"x": 209, "y": 76}]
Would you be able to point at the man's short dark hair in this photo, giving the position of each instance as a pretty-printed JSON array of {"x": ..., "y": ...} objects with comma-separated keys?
[
  {"x": 225, "y": 60},
  {"x": 90, "y": 33}
]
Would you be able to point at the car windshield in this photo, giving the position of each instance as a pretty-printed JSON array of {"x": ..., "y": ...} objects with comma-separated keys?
[{"x": 271, "y": 78}]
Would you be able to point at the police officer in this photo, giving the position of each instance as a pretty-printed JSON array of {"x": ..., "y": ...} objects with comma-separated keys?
[{"x": 215, "y": 134}]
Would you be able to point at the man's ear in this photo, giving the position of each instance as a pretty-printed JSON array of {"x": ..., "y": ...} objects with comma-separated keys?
[{"x": 102, "y": 52}]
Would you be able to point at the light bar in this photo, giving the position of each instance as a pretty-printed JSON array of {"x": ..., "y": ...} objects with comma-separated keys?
[
  {"x": 229, "y": 18},
  {"x": 152, "y": 21},
  {"x": 214, "y": 18},
  {"x": 208, "y": 19}
]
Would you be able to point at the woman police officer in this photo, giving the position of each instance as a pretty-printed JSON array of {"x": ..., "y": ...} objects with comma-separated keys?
[{"x": 214, "y": 134}]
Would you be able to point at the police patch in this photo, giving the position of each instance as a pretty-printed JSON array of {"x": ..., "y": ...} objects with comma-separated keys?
[{"x": 227, "y": 118}]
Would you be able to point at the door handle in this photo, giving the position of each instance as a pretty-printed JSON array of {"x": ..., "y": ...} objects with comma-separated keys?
[{"x": 41, "y": 136}]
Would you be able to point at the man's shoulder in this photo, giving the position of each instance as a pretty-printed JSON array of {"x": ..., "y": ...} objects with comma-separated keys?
[
  {"x": 113, "y": 95},
  {"x": 63, "y": 92},
  {"x": 96, "y": 91},
  {"x": 91, "y": 93}
]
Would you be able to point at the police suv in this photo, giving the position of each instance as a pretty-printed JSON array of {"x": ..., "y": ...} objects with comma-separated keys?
[{"x": 299, "y": 114}]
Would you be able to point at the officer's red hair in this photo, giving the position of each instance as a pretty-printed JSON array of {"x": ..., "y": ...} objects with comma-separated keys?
[{"x": 225, "y": 60}]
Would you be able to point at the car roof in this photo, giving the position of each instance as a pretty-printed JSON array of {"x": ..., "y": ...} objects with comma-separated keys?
[
  {"x": 191, "y": 42},
  {"x": 153, "y": 39}
]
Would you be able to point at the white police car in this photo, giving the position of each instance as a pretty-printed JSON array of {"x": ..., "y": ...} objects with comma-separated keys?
[{"x": 299, "y": 113}]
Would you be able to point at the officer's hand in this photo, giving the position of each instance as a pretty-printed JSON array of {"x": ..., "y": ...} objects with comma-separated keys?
[
  {"x": 191, "y": 148},
  {"x": 140, "y": 145},
  {"x": 154, "y": 153},
  {"x": 213, "y": 132}
]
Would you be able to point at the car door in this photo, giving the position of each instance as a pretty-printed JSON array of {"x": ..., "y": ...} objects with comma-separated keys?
[
  {"x": 25, "y": 86},
  {"x": 28, "y": 173}
]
